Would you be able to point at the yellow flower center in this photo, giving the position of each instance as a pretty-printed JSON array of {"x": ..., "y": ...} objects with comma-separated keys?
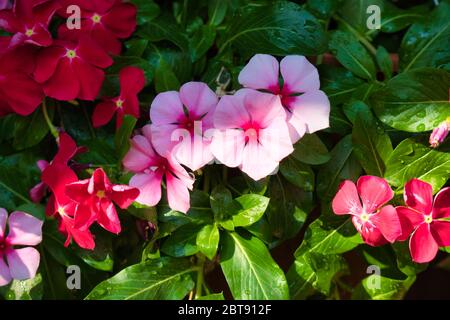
[
  {"x": 61, "y": 211},
  {"x": 29, "y": 32},
  {"x": 428, "y": 219},
  {"x": 96, "y": 18},
  {"x": 71, "y": 54},
  {"x": 119, "y": 103},
  {"x": 364, "y": 217},
  {"x": 101, "y": 194}
]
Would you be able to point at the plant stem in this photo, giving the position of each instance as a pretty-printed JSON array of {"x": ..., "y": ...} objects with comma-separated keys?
[
  {"x": 200, "y": 278},
  {"x": 355, "y": 32},
  {"x": 50, "y": 125}
]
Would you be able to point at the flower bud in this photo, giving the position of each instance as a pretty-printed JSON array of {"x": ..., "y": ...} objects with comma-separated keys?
[{"x": 440, "y": 133}]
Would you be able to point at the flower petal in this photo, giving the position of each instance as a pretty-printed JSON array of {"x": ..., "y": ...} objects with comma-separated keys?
[
  {"x": 422, "y": 245},
  {"x": 140, "y": 156},
  {"x": 370, "y": 234},
  {"x": 124, "y": 195},
  {"x": 198, "y": 98},
  {"x": 299, "y": 75},
  {"x": 23, "y": 263},
  {"x": 109, "y": 220},
  {"x": 91, "y": 80},
  {"x": 3, "y": 219},
  {"x": 441, "y": 232},
  {"x": 374, "y": 192},
  {"x": 257, "y": 161},
  {"x": 132, "y": 80},
  {"x": 166, "y": 136},
  {"x": 387, "y": 221},
  {"x": 419, "y": 196},
  {"x": 231, "y": 113},
  {"x": 409, "y": 220},
  {"x": 149, "y": 185},
  {"x": 24, "y": 229},
  {"x": 103, "y": 113},
  {"x": 442, "y": 204},
  {"x": 177, "y": 194},
  {"x": 64, "y": 83},
  {"x": 346, "y": 200},
  {"x": 262, "y": 107},
  {"x": 261, "y": 72},
  {"x": 228, "y": 146},
  {"x": 275, "y": 137},
  {"x": 166, "y": 108},
  {"x": 5, "y": 275}
]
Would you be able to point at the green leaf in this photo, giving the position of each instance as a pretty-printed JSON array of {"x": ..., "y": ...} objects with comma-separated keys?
[
  {"x": 124, "y": 61},
  {"x": 249, "y": 269},
  {"x": 412, "y": 158},
  {"x": 101, "y": 258},
  {"x": 165, "y": 78},
  {"x": 164, "y": 28},
  {"x": 313, "y": 272},
  {"x": 371, "y": 145},
  {"x": 147, "y": 10},
  {"x": 343, "y": 165},
  {"x": 279, "y": 29},
  {"x": 297, "y": 173},
  {"x": 182, "y": 242},
  {"x": 201, "y": 42},
  {"x": 311, "y": 150},
  {"x": 208, "y": 240},
  {"x": 213, "y": 296},
  {"x": 222, "y": 203},
  {"x": 251, "y": 209},
  {"x": 323, "y": 9},
  {"x": 427, "y": 41},
  {"x": 338, "y": 83},
  {"x": 29, "y": 131},
  {"x": 123, "y": 134},
  {"x": 414, "y": 101},
  {"x": 352, "y": 55},
  {"x": 161, "y": 279},
  {"x": 217, "y": 10},
  {"x": 384, "y": 62},
  {"x": 326, "y": 236},
  {"x": 377, "y": 287},
  {"x": 37, "y": 210}
]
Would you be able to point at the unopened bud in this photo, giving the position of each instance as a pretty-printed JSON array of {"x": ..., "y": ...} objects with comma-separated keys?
[{"x": 440, "y": 133}]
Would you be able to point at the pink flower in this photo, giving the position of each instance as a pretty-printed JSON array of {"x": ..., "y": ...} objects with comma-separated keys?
[
  {"x": 24, "y": 230},
  {"x": 96, "y": 197},
  {"x": 252, "y": 133},
  {"x": 150, "y": 168},
  {"x": 307, "y": 107},
  {"x": 425, "y": 220},
  {"x": 39, "y": 190},
  {"x": 440, "y": 133},
  {"x": 377, "y": 224},
  {"x": 132, "y": 81},
  {"x": 186, "y": 115},
  {"x": 70, "y": 70}
]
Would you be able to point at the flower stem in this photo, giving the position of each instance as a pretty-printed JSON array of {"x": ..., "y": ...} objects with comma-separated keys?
[
  {"x": 50, "y": 125},
  {"x": 200, "y": 277}
]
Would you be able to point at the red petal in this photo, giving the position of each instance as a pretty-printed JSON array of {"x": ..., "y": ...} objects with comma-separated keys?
[
  {"x": 64, "y": 83},
  {"x": 409, "y": 220},
  {"x": 47, "y": 61},
  {"x": 374, "y": 192},
  {"x": 57, "y": 176},
  {"x": 419, "y": 196},
  {"x": 103, "y": 113},
  {"x": 85, "y": 216},
  {"x": 92, "y": 53},
  {"x": 108, "y": 218},
  {"x": 347, "y": 200},
  {"x": 132, "y": 80},
  {"x": 77, "y": 191},
  {"x": 22, "y": 94},
  {"x": 106, "y": 39},
  {"x": 422, "y": 245},
  {"x": 67, "y": 149},
  {"x": 121, "y": 20},
  {"x": 442, "y": 204},
  {"x": 124, "y": 195},
  {"x": 99, "y": 182},
  {"x": 90, "y": 79},
  {"x": 387, "y": 221},
  {"x": 441, "y": 232}
]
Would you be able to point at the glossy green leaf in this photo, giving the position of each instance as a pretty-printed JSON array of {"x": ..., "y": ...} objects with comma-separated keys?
[
  {"x": 412, "y": 158},
  {"x": 378, "y": 287},
  {"x": 30, "y": 130},
  {"x": 213, "y": 296},
  {"x": 297, "y": 173},
  {"x": 208, "y": 240},
  {"x": 352, "y": 55},
  {"x": 311, "y": 150},
  {"x": 30, "y": 289},
  {"x": 384, "y": 62},
  {"x": 280, "y": 29},
  {"x": 182, "y": 242},
  {"x": 201, "y": 42},
  {"x": 250, "y": 271},
  {"x": 414, "y": 101},
  {"x": 161, "y": 279},
  {"x": 123, "y": 134},
  {"x": 217, "y": 10},
  {"x": 165, "y": 78},
  {"x": 427, "y": 41},
  {"x": 371, "y": 145}
]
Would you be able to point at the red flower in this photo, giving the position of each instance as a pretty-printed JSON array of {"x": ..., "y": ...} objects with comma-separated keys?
[
  {"x": 57, "y": 176},
  {"x": 70, "y": 70},
  {"x": 96, "y": 197},
  {"x": 132, "y": 81},
  {"x": 19, "y": 93},
  {"x": 106, "y": 21},
  {"x": 28, "y": 21},
  {"x": 377, "y": 223},
  {"x": 425, "y": 220}
]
